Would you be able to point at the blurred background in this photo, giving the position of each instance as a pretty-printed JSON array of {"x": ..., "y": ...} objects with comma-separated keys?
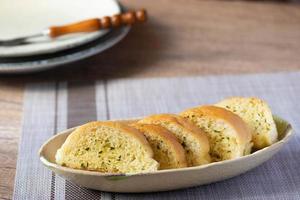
[{"x": 180, "y": 38}]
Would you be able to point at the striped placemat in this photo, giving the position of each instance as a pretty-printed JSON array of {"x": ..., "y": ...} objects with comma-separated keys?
[{"x": 52, "y": 107}]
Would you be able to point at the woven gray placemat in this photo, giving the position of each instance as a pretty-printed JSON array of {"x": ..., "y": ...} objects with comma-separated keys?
[{"x": 51, "y": 107}]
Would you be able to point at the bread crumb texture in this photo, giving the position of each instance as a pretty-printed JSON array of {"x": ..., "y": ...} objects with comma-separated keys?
[
  {"x": 227, "y": 139},
  {"x": 197, "y": 136},
  {"x": 194, "y": 141},
  {"x": 258, "y": 116},
  {"x": 167, "y": 150},
  {"x": 107, "y": 147}
]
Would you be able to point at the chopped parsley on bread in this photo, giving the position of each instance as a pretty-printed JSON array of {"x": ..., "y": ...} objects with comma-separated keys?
[
  {"x": 167, "y": 150},
  {"x": 107, "y": 147},
  {"x": 228, "y": 134},
  {"x": 192, "y": 139},
  {"x": 258, "y": 116},
  {"x": 197, "y": 136}
]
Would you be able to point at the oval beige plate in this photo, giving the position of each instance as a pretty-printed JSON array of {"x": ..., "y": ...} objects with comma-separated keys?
[{"x": 165, "y": 179}]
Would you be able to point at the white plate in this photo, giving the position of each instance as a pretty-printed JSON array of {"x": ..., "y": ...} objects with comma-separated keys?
[
  {"x": 43, "y": 62},
  {"x": 165, "y": 179},
  {"x": 26, "y": 17}
]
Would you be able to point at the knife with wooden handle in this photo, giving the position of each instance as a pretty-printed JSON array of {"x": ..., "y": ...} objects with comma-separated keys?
[{"x": 90, "y": 25}]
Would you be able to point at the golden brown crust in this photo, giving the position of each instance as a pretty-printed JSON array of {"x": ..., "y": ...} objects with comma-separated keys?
[
  {"x": 167, "y": 137},
  {"x": 196, "y": 131},
  {"x": 80, "y": 138},
  {"x": 260, "y": 138},
  {"x": 125, "y": 129},
  {"x": 242, "y": 130},
  {"x": 193, "y": 130}
]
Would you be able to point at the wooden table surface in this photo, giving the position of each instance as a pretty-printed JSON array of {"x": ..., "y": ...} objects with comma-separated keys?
[{"x": 182, "y": 38}]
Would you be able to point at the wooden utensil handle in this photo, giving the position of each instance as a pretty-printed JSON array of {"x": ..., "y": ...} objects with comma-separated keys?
[
  {"x": 83, "y": 26},
  {"x": 127, "y": 18}
]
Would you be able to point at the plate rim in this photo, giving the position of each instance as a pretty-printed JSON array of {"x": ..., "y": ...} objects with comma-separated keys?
[
  {"x": 288, "y": 130},
  {"x": 55, "y": 61},
  {"x": 95, "y": 35}
]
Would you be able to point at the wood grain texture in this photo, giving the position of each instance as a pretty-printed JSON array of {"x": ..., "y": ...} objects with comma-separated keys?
[
  {"x": 10, "y": 120},
  {"x": 182, "y": 38}
]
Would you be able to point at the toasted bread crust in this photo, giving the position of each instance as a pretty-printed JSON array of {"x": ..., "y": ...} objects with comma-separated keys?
[
  {"x": 242, "y": 132},
  {"x": 77, "y": 139},
  {"x": 125, "y": 129},
  {"x": 190, "y": 128},
  {"x": 167, "y": 137},
  {"x": 261, "y": 138}
]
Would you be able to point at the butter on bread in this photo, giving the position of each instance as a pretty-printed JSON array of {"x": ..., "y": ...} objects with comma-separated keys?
[
  {"x": 228, "y": 134},
  {"x": 193, "y": 140},
  {"x": 107, "y": 147},
  {"x": 258, "y": 116},
  {"x": 167, "y": 150}
]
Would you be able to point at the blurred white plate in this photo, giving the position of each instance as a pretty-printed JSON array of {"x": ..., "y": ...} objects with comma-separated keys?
[
  {"x": 42, "y": 62},
  {"x": 165, "y": 179},
  {"x": 26, "y": 17}
]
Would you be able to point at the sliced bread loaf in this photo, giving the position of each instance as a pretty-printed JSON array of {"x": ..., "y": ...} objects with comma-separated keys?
[
  {"x": 228, "y": 134},
  {"x": 167, "y": 150},
  {"x": 107, "y": 147},
  {"x": 193, "y": 140},
  {"x": 258, "y": 116}
]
